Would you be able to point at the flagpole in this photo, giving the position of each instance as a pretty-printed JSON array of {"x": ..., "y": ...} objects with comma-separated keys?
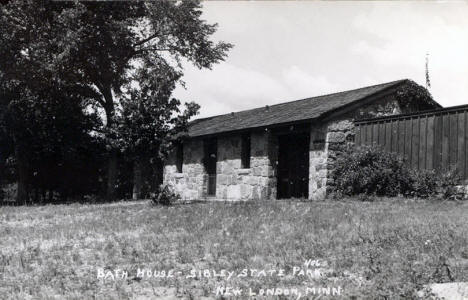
[{"x": 428, "y": 80}]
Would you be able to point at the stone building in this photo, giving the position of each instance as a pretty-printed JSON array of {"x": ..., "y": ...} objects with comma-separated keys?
[{"x": 279, "y": 151}]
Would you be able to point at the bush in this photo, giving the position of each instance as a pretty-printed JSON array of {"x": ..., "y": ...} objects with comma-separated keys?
[
  {"x": 369, "y": 170},
  {"x": 165, "y": 196},
  {"x": 428, "y": 183},
  {"x": 448, "y": 182},
  {"x": 423, "y": 183},
  {"x": 8, "y": 193}
]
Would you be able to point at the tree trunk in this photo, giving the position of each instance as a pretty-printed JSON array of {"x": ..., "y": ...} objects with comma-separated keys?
[
  {"x": 137, "y": 178},
  {"x": 112, "y": 175},
  {"x": 22, "y": 175},
  {"x": 158, "y": 173},
  {"x": 112, "y": 163},
  {"x": 2, "y": 167}
]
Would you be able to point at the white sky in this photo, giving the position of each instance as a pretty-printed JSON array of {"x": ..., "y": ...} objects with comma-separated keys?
[{"x": 291, "y": 50}]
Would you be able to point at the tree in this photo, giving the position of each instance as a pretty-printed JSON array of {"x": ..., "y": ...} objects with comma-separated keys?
[
  {"x": 151, "y": 119},
  {"x": 49, "y": 130},
  {"x": 97, "y": 45}
]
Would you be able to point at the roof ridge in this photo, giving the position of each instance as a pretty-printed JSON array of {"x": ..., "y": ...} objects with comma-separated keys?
[
  {"x": 336, "y": 93},
  {"x": 309, "y": 98}
]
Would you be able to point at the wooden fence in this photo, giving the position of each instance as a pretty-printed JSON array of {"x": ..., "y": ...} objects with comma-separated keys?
[{"x": 428, "y": 140}]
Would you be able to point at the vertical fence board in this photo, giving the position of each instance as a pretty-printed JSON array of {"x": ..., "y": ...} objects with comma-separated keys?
[
  {"x": 394, "y": 136},
  {"x": 415, "y": 143},
  {"x": 401, "y": 137},
  {"x": 445, "y": 141},
  {"x": 422, "y": 142},
  {"x": 461, "y": 144},
  {"x": 465, "y": 116},
  {"x": 408, "y": 136},
  {"x": 437, "y": 141},
  {"x": 430, "y": 143},
  {"x": 369, "y": 135},
  {"x": 375, "y": 133},
  {"x": 388, "y": 136},
  {"x": 357, "y": 139},
  {"x": 381, "y": 138},
  {"x": 363, "y": 135},
  {"x": 453, "y": 139}
]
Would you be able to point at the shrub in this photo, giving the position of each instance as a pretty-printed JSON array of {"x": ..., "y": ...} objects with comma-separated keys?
[
  {"x": 8, "y": 193},
  {"x": 448, "y": 182},
  {"x": 165, "y": 196},
  {"x": 423, "y": 183},
  {"x": 369, "y": 170}
]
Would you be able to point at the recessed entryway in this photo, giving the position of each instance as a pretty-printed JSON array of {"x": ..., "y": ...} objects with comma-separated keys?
[
  {"x": 210, "y": 159},
  {"x": 293, "y": 166}
]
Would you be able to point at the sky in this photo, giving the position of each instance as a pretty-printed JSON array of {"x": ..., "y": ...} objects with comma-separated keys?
[{"x": 285, "y": 51}]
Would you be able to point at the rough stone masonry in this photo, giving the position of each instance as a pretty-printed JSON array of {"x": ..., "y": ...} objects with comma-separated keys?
[{"x": 259, "y": 181}]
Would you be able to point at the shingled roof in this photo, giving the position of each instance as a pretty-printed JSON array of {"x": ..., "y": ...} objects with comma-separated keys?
[{"x": 294, "y": 111}]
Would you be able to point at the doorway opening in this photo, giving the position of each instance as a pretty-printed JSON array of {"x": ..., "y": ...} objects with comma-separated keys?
[
  {"x": 293, "y": 166},
  {"x": 210, "y": 157}
]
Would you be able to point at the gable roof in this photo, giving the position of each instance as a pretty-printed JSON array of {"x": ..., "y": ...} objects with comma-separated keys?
[{"x": 294, "y": 111}]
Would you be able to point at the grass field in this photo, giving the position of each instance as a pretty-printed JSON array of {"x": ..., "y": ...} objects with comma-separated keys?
[{"x": 380, "y": 250}]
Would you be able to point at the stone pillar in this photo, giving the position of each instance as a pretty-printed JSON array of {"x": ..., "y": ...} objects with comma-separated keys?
[
  {"x": 190, "y": 183},
  {"x": 273, "y": 148},
  {"x": 340, "y": 134},
  {"x": 318, "y": 162},
  {"x": 326, "y": 142},
  {"x": 229, "y": 161},
  {"x": 260, "y": 164}
]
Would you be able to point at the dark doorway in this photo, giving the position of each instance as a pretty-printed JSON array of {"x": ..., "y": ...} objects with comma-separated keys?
[
  {"x": 210, "y": 157},
  {"x": 293, "y": 166}
]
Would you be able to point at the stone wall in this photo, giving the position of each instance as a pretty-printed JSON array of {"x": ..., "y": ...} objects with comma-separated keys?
[
  {"x": 318, "y": 153},
  {"x": 340, "y": 133},
  {"x": 259, "y": 181},
  {"x": 191, "y": 184},
  {"x": 228, "y": 168},
  {"x": 236, "y": 183},
  {"x": 232, "y": 181}
]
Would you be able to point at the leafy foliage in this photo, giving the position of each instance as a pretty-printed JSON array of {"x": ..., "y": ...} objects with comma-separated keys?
[
  {"x": 414, "y": 94},
  {"x": 49, "y": 131},
  {"x": 91, "y": 52},
  {"x": 150, "y": 117},
  {"x": 423, "y": 183},
  {"x": 165, "y": 196},
  {"x": 369, "y": 170}
]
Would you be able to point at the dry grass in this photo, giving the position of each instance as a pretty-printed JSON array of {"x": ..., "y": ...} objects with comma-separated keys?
[{"x": 380, "y": 250}]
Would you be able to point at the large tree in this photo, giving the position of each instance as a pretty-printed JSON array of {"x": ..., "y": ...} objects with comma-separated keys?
[
  {"x": 151, "y": 121},
  {"x": 47, "y": 133},
  {"x": 97, "y": 45}
]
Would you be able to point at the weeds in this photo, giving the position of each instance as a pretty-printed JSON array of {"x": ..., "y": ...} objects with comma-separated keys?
[{"x": 378, "y": 250}]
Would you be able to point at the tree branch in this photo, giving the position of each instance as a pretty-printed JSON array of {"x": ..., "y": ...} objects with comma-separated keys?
[{"x": 139, "y": 43}]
